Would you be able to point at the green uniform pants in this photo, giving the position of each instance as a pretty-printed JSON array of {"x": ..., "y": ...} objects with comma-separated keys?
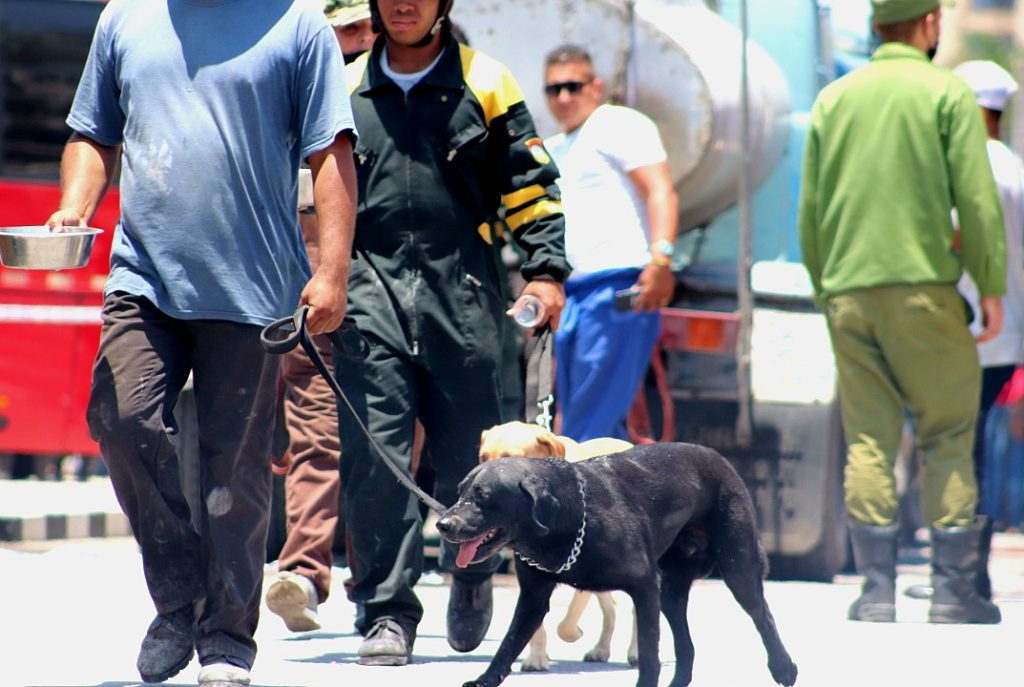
[{"x": 900, "y": 347}]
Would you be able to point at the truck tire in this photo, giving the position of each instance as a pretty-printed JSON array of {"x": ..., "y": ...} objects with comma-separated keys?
[{"x": 829, "y": 556}]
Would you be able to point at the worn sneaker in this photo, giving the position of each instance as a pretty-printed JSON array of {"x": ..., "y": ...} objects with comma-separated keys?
[
  {"x": 469, "y": 614},
  {"x": 386, "y": 644},
  {"x": 294, "y": 598},
  {"x": 168, "y": 646},
  {"x": 223, "y": 674}
]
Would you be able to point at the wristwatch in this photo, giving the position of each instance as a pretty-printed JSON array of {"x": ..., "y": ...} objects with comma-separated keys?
[{"x": 662, "y": 251}]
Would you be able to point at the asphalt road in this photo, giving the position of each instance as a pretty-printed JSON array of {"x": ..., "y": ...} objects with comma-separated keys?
[{"x": 73, "y": 614}]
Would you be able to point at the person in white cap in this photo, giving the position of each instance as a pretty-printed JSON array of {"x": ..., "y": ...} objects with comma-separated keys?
[
  {"x": 993, "y": 86},
  {"x": 353, "y": 26}
]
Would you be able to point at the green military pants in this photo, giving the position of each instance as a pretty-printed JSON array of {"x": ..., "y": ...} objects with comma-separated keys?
[{"x": 900, "y": 347}]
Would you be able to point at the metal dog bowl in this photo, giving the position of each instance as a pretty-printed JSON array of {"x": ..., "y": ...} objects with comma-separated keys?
[{"x": 38, "y": 248}]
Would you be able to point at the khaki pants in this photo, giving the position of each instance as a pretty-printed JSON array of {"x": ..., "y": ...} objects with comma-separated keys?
[
  {"x": 312, "y": 484},
  {"x": 897, "y": 348}
]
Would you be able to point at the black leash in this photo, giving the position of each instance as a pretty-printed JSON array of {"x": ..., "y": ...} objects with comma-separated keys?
[
  {"x": 283, "y": 335},
  {"x": 539, "y": 396}
]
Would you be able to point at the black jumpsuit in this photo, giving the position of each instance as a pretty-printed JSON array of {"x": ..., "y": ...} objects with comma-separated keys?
[{"x": 434, "y": 167}]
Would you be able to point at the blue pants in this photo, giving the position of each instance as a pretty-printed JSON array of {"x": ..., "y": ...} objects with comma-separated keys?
[
  {"x": 1003, "y": 491},
  {"x": 600, "y": 356}
]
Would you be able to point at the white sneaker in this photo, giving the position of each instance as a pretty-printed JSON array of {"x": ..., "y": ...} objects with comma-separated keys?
[
  {"x": 294, "y": 598},
  {"x": 223, "y": 675}
]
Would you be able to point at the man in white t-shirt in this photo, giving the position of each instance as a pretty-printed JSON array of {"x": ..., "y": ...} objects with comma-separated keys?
[
  {"x": 621, "y": 215},
  {"x": 993, "y": 86}
]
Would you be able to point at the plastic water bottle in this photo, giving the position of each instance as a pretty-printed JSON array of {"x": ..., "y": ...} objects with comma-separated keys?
[{"x": 528, "y": 311}]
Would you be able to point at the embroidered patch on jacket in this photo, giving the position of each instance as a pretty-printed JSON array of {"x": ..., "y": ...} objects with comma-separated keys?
[{"x": 536, "y": 147}]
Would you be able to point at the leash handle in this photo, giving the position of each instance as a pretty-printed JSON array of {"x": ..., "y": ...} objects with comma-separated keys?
[{"x": 283, "y": 335}]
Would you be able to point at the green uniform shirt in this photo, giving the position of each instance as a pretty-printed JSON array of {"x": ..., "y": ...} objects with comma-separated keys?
[{"x": 892, "y": 148}]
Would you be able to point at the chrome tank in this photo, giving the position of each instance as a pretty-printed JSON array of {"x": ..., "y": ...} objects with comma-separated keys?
[{"x": 678, "y": 62}]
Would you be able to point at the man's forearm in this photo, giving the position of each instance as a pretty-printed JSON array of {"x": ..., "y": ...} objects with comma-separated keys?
[
  {"x": 334, "y": 196},
  {"x": 663, "y": 215},
  {"x": 86, "y": 170}
]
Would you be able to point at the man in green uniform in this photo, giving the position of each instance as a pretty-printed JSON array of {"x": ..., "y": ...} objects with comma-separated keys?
[
  {"x": 445, "y": 139},
  {"x": 892, "y": 149}
]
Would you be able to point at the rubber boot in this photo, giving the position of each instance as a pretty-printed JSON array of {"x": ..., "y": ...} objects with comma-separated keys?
[
  {"x": 955, "y": 557},
  {"x": 470, "y": 607},
  {"x": 874, "y": 552}
]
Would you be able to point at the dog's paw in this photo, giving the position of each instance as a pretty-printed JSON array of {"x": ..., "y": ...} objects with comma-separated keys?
[
  {"x": 633, "y": 656},
  {"x": 599, "y": 654},
  {"x": 783, "y": 671},
  {"x": 535, "y": 663}
]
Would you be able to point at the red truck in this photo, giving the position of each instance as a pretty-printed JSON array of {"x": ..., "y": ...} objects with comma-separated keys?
[{"x": 49, "y": 321}]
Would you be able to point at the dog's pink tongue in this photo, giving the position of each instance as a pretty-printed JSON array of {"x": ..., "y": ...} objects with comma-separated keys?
[{"x": 467, "y": 550}]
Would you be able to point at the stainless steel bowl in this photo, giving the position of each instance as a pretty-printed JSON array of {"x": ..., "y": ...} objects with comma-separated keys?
[{"x": 38, "y": 248}]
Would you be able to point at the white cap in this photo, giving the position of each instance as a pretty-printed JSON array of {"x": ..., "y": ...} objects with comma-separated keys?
[{"x": 992, "y": 85}]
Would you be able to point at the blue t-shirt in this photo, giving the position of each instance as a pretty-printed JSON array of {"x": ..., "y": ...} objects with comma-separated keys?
[{"x": 215, "y": 102}]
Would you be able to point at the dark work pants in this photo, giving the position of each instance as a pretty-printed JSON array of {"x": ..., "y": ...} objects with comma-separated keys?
[
  {"x": 143, "y": 361},
  {"x": 389, "y": 391}
]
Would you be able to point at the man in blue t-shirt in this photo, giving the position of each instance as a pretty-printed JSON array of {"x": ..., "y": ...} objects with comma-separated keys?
[{"x": 211, "y": 104}]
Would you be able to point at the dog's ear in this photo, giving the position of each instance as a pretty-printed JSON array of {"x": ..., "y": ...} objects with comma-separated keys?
[
  {"x": 544, "y": 504},
  {"x": 486, "y": 453},
  {"x": 554, "y": 448}
]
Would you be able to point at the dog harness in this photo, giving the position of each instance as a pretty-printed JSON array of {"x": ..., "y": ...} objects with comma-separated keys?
[{"x": 577, "y": 545}]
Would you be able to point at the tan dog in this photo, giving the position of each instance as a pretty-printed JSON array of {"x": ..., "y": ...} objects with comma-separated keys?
[{"x": 521, "y": 439}]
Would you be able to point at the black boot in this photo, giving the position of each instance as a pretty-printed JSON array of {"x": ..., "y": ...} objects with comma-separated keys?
[
  {"x": 469, "y": 613},
  {"x": 874, "y": 551},
  {"x": 954, "y": 576},
  {"x": 983, "y": 583},
  {"x": 168, "y": 646}
]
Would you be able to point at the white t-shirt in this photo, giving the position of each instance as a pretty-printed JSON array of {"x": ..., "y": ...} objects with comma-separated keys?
[
  {"x": 405, "y": 81},
  {"x": 606, "y": 223},
  {"x": 1008, "y": 347}
]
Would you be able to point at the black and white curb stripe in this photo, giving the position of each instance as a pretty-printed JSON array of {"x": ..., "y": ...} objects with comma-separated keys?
[{"x": 77, "y": 526}]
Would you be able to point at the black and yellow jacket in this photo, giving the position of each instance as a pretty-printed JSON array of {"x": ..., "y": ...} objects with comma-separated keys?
[{"x": 434, "y": 167}]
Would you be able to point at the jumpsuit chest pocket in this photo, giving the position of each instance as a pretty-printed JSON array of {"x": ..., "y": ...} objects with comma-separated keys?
[{"x": 467, "y": 146}]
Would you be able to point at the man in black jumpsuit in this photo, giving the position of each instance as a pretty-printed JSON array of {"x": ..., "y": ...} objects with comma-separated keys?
[{"x": 445, "y": 139}]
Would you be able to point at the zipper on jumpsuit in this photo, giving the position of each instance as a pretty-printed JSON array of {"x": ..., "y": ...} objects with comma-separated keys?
[{"x": 414, "y": 333}]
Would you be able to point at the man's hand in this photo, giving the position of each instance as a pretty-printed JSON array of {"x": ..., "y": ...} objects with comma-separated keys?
[
  {"x": 991, "y": 317},
  {"x": 657, "y": 284},
  {"x": 552, "y": 296},
  {"x": 65, "y": 220},
  {"x": 327, "y": 297}
]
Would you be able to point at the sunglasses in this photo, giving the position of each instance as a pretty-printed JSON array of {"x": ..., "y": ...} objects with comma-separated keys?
[{"x": 553, "y": 90}]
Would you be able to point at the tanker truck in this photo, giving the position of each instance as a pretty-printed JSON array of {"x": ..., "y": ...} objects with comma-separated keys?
[{"x": 748, "y": 363}]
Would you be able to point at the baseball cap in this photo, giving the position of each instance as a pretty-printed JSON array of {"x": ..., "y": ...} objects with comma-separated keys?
[
  {"x": 891, "y": 11},
  {"x": 992, "y": 84},
  {"x": 342, "y": 12}
]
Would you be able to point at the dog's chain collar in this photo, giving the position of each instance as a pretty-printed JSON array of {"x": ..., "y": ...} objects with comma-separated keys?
[{"x": 577, "y": 545}]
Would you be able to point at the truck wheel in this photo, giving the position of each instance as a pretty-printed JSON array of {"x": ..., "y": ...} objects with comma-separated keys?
[{"x": 829, "y": 556}]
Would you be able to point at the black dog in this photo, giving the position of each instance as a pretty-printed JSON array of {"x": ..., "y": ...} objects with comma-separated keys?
[{"x": 614, "y": 523}]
